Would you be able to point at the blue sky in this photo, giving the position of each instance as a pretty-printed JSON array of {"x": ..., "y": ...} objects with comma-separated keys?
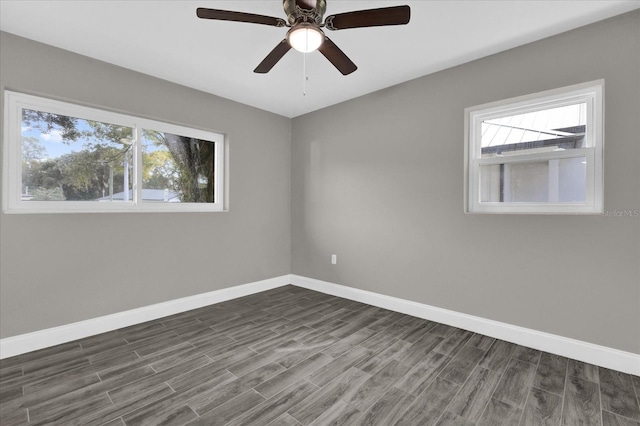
[{"x": 55, "y": 146}]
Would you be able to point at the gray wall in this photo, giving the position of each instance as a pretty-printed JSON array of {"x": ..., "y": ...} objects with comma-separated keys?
[
  {"x": 379, "y": 181},
  {"x": 57, "y": 269}
]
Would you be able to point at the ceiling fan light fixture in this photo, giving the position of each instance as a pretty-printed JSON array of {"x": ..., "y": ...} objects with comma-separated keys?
[{"x": 305, "y": 37}]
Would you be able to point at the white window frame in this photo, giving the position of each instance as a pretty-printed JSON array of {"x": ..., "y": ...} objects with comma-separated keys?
[
  {"x": 15, "y": 102},
  {"x": 592, "y": 94}
]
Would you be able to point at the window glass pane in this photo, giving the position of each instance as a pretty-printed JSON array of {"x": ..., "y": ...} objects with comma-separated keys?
[
  {"x": 72, "y": 159},
  {"x": 177, "y": 169},
  {"x": 547, "y": 130},
  {"x": 556, "y": 180}
]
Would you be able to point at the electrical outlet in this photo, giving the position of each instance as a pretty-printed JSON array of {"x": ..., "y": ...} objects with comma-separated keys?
[{"x": 334, "y": 259}]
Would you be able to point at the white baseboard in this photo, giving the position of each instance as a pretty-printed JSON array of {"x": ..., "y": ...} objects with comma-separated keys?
[
  {"x": 23, "y": 343},
  {"x": 594, "y": 354},
  {"x": 587, "y": 352}
]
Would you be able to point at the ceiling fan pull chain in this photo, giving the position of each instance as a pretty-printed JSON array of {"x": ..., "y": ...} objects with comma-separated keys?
[{"x": 304, "y": 74}]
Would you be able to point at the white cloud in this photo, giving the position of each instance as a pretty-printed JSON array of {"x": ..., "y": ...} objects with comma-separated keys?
[
  {"x": 53, "y": 136},
  {"x": 25, "y": 129}
]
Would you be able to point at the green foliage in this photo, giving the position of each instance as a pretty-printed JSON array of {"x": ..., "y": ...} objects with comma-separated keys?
[
  {"x": 82, "y": 175},
  {"x": 47, "y": 122},
  {"x": 48, "y": 194},
  {"x": 193, "y": 160},
  {"x": 159, "y": 171},
  {"x": 32, "y": 149},
  {"x": 184, "y": 165}
]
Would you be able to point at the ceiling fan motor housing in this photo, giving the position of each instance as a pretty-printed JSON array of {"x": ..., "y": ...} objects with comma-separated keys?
[
  {"x": 311, "y": 11},
  {"x": 306, "y": 35}
]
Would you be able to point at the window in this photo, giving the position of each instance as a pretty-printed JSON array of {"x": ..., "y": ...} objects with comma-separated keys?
[
  {"x": 60, "y": 157},
  {"x": 540, "y": 153}
]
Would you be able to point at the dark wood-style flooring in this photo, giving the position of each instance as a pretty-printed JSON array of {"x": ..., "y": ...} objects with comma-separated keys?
[{"x": 291, "y": 356}]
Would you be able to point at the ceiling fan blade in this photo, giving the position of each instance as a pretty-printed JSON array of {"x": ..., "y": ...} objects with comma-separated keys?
[
  {"x": 337, "y": 57},
  {"x": 396, "y": 15},
  {"x": 225, "y": 15},
  {"x": 273, "y": 57}
]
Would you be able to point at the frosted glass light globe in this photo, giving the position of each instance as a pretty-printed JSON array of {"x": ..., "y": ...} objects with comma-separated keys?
[{"x": 305, "y": 37}]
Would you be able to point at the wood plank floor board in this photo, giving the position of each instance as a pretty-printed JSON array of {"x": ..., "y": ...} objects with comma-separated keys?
[
  {"x": 133, "y": 383},
  {"x": 35, "y": 385},
  {"x": 584, "y": 371},
  {"x": 97, "y": 355},
  {"x": 293, "y": 375},
  {"x": 411, "y": 331},
  {"x": 335, "y": 315},
  {"x": 274, "y": 407},
  {"x": 53, "y": 364},
  {"x": 449, "y": 419},
  {"x": 453, "y": 342},
  {"x": 321, "y": 334},
  {"x": 527, "y": 354},
  {"x": 64, "y": 414},
  {"x": 500, "y": 413},
  {"x": 376, "y": 386},
  {"x": 275, "y": 341},
  {"x": 617, "y": 394},
  {"x": 636, "y": 385},
  {"x": 384, "y": 322},
  {"x": 141, "y": 362},
  {"x": 462, "y": 364},
  {"x": 284, "y": 420},
  {"x": 13, "y": 416},
  {"x": 339, "y": 365},
  {"x": 316, "y": 405},
  {"x": 551, "y": 373},
  {"x": 376, "y": 362},
  {"x": 342, "y": 388},
  {"x": 418, "y": 350},
  {"x": 200, "y": 369},
  {"x": 481, "y": 342},
  {"x": 581, "y": 403},
  {"x": 515, "y": 383},
  {"x": 229, "y": 410},
  {"x": 95, "y": 389},
  {"x": 118, "y": 409},
  {"x": 378, "y": 341},
  {"x": 542, "y": 409},
  {"x": 299, "y": 354},
  {"x": 423, "y": 373},
  {"x": 442, "y": 330},
  {"x": 58, "y": 390},
  {"x": 498, "y": 356},
  {"x": 206, "y": 402},
  {"x": 291, "y": 356},
  {"x": 352, "y": 326},
  {"x": 164, "y": 408},
  {"x": 387, "y": 410},
  {"x": 10, "y": 393},
  {"x": 153, "y": 329},
  {"x": 340, "y": 413},
  {"x": 610, "y": 419},
  {"x": 115, "y": 422},
  {"x": 255, "y": 360},
  {"x": 342, "y": 346},
  {"x": 70, "y": 349},
  {"x": 105, "y": 344},
  {"x": 160, "y": 345},
  {"x": 475, "y": 394},
  {"x": 176, "y": 358},
  {"x": 427, "y": 408},
  {"x": 10, "y": 372}
]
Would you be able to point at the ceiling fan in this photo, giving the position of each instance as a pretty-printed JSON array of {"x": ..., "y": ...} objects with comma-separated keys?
[{"x": 305, "y": 33}]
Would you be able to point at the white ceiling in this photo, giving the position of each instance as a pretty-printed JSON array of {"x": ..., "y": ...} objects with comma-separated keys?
[{"x": 166, "y": 39}]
